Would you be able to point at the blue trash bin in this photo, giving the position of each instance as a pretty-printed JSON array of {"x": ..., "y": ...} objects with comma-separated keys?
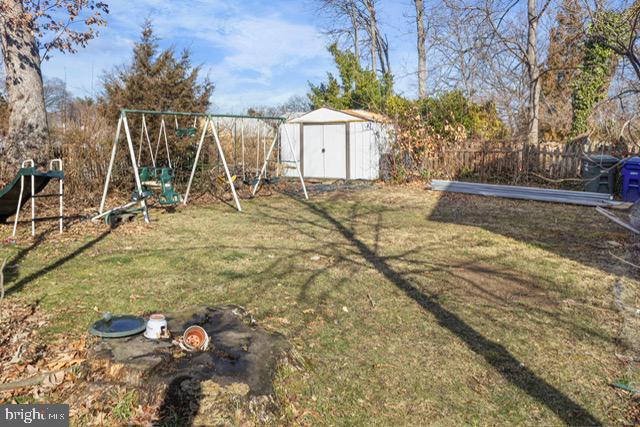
[{"x": 631, "y": 179}]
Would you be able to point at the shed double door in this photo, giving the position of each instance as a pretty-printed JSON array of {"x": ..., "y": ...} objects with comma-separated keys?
[{"x": 325, "y": 150}]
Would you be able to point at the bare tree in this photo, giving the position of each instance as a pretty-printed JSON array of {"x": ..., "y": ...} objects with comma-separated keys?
[
  {"x": 352, "y": 13},
  {"x": 422, "y": 52},
  {"x": 295, "y": 104},
  {"x": 29, "y": 31},
  {"x": 456, "y": 50},
  {"x": 56, "y": 95},
  {"x": 467, "y": 54},
  {"x": 533, "y": 68},
  {"x": 372, "y": 30},
  {"x": 344, "y": 22},
  {"x": 347, "y": 19},
  {"x": 503, "y": 20}
]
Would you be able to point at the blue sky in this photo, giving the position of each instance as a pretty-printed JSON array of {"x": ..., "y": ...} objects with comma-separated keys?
[{"x": 256, "y": 52}]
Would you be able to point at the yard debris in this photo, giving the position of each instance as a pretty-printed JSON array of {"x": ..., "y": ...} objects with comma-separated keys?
[
  {"x": 624, "y": 260},
  {"x": 525, "y": 193},
  {"x": 48, "y": 380},
  {"x": 626, "y": 387},
  {"x": 4, "y": 263},
  {"x": 373, "y": 305},
  {"x": 26, "y": 363},
  {"x": 634, "y": 214},
  {"x": 617, "y": 220},
  {"x": 101, "y": 393}
]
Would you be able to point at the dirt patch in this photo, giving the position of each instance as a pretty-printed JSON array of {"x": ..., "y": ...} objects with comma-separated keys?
[
  {"x": 500, "y": 286},
  {"x": 141, "y": 382},
  {"x": 236, "y": 371}
]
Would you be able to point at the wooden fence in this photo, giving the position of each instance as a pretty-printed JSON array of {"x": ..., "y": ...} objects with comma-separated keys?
[{"x": 505, "y": 161}]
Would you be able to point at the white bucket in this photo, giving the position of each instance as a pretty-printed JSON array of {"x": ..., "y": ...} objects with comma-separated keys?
[{"x": 156, "y": 327}]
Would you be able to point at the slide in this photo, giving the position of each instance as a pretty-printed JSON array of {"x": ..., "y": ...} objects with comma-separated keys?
[{"x": 10, "y": 193}]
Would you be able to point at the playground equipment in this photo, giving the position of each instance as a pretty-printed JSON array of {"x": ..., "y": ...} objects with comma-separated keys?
[
  {"x": 263, "y": 178},
  {"x": 247, "y": 142},
  {"x": 157, "y": 181},
  {"x": 14, "y": 197}
]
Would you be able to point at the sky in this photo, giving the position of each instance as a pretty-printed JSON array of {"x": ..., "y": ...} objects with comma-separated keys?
[{"x": 257, "y": 53}]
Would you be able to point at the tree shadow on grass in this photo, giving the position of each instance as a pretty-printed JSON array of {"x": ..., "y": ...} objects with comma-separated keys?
[
  {"x": 181, "y": 402},
  {"x": 11, "y": 269},
  {"x": 508, "y": 366},
  {"x": 17, "y": 286},
  {"x": 572, "y": 232},
  {"x": 479, "y": 279}
]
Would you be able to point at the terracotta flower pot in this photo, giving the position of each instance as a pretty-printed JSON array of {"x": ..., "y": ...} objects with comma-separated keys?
[{"x": 195, "y": 338}]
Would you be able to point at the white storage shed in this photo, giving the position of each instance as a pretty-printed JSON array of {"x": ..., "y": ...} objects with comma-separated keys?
[{"x": 336, "y": 144}]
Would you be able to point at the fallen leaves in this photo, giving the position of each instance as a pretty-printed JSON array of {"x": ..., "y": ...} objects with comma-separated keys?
[
  {"x": 53, "y": 379},
  {"x": 27, "y": 365}
]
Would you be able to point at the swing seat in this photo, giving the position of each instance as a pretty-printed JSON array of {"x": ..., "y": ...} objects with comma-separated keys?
[
  {"x": 184, "y": 132},
  {"x": 148, "y": 173},
  {"x": 149, "y": 178},
  {"x": 149, "y": 182},
  {"x": 289, "y": 164},
  {"x": 168, "y": 196}
]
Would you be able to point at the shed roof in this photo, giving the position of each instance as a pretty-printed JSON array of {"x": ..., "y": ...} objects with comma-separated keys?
[
  {"x": 368, "y": 115},
  {"x": 330, "y": 115}
]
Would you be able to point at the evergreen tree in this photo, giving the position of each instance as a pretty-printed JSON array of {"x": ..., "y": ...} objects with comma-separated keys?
[
  {"x": 356, "y": 88},
  {"x": 156, "y": 80}
]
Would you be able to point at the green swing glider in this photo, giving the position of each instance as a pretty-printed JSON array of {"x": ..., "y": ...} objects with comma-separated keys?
[{"x": 156, "y": 181}]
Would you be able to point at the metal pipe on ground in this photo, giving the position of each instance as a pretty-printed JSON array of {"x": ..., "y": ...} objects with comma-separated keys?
[
  {"x": 525, "y": 193},
  {"x": 521, "y": 190}
]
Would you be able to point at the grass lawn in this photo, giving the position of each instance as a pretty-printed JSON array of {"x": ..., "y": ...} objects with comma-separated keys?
[{"x": 407, "y": 306}]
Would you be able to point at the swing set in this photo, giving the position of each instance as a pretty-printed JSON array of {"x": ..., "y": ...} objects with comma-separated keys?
[{"x": 156, "y": 179}]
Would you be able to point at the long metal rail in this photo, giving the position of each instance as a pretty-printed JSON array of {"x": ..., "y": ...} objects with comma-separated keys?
[{"x": 525, "y": 193}]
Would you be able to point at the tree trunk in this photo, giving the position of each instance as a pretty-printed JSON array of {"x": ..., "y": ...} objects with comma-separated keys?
[
  {"x": 422, "y": 53},
  {"x": 28, "y": 128},
  {"x": 534, "y": 76},
  {"x": 353, "y": 15},
  {"x": 373, "y": 34},
  {"x": 382, "y": 52}
]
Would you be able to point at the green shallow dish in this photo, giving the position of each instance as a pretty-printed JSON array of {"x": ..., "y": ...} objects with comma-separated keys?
[{"x": 118, "y": 326}]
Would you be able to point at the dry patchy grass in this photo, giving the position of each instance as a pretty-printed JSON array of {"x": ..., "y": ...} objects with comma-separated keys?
[{"x": 407, "y": 307}]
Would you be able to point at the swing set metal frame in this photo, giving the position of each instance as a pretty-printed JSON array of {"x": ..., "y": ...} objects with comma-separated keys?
[{"x": 123, "y": 124}]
